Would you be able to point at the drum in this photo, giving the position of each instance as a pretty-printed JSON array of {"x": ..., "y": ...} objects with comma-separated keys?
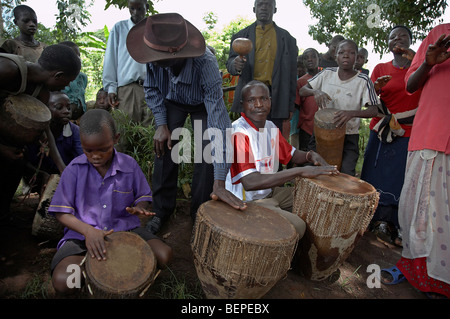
[
  {"x": 329, "y": 138},
  {"x": 23, "y": 119},
  {"x": 337, "y": 210},
  {"x": 127, "y": 272},
  {"x": 46, "y": 225},
  {"x": 241, "y": 254}
]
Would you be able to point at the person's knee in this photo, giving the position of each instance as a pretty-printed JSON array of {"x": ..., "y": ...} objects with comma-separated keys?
[{"x": 163, "y": 252}]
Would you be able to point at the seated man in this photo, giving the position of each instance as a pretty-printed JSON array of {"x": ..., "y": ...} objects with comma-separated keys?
[{"x": 258, "y": 148}]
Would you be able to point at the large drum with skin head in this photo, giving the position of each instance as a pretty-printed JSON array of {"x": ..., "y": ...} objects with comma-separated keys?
[
  {"x": 23, "y": 119},
  {"x": 337, "y": 211},
  {"x": 241, "y": 254},
  {"x": 329, "y": 138},
  {"x": 127, "y": 272}
]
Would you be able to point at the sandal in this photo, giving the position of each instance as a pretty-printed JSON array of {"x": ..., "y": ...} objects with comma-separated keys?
[{"x": 397, "y": 276}]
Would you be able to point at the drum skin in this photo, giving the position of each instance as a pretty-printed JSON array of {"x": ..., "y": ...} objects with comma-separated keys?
[
  {"x": 129, "y": 267},
  {"x": 23, "y": 119},
  {"x": 241, "y": 254},
  {"x": 329, "y": 138},
  {"x": 337, "y": 211}
]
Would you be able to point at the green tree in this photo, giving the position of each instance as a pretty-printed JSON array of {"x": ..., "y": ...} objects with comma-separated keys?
[
  {"x": 367, "y": 21},
  {"x": 121, "y": 4}
]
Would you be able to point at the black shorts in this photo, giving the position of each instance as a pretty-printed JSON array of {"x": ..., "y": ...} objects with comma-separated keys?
[{"x": 74, "y": 247}]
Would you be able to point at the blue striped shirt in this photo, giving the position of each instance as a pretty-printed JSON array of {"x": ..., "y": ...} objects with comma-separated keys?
[{"x": 198, "y": 82}]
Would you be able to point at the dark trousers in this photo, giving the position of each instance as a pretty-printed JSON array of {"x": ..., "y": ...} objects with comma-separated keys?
[{"x": 165, "y": 176}]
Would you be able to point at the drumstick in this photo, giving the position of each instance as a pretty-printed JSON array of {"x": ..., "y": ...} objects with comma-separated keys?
[{"x": 151, "y": 283}]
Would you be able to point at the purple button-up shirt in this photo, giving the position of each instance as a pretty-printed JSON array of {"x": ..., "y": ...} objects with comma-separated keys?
[{"x": 98, "y": 201}]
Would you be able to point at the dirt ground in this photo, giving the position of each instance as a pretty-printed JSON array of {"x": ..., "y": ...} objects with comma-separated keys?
[{"x": 25, "y": 259}]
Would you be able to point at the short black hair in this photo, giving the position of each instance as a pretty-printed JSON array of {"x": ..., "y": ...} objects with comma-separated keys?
[
  {"x": 404, "y": 27},
  {"x": 347, "y": 41},
  {"x": 250, "y": 84},
  {"x": 58, "y": 57},
  {"x": 18, "y": 10},
  {"x": 311, "y": 49},
  {"x": 92, "y": 122}
]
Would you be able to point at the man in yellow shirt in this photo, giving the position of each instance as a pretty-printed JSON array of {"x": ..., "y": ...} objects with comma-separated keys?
[{"x": 273, "y": 61}]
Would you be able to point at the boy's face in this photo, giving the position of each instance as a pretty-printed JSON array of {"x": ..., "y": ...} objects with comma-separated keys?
[
  {"x": 58, "y": 80},
  {"x": 27, "y": 23},
  {"x": 310, "y": 60},
  {"x": 399, "y": 37},
  {"x": 256, "y": 104},
  {"x": 59, "y": 105},
  {"x": 361, "y": 59},
  {"x": 102, "y": 100},
  {"x": 99, "y": 148},
  {"x": 138, "y": 9},
  {"x": 346, "y": 56}
]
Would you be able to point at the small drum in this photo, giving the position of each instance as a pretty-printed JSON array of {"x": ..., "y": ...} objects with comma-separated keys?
[
  {"x": 129, "y": 268},
  {"x": 337, "y": 211},
  {"x": 329, "y": 138},
  {"x": 23, "y": 119},
  {"x": 241, "y": 254},
  {"x": 44, "y": 224}
]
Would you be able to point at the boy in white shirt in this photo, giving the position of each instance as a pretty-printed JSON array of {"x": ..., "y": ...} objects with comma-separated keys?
[{"x": 347, "y": 90}]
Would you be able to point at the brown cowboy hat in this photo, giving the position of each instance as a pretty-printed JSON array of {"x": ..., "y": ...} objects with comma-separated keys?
[{"x": 164, "y": 36}]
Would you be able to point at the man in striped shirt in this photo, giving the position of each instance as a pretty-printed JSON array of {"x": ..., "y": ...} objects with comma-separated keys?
[{"x": 183, "y": 79}]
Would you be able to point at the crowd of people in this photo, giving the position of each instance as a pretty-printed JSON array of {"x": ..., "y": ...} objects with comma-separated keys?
[{"x": 158, "y": 69}]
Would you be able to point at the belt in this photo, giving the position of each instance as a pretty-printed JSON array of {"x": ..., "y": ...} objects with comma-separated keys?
[{"x": 139, "y": 82}]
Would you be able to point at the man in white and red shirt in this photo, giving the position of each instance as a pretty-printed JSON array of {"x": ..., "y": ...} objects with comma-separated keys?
[{"x": 259, "y": 148}]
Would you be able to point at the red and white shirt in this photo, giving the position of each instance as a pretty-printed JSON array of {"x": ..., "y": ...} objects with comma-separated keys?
[{"x": 255, "y": 151}]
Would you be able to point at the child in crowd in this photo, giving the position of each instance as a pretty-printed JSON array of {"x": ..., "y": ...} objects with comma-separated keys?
[
  {"x": 101, "y": 100},
  {"x": 67, "y": 138},
  {"x": 76, "y": 90},
  {"x": 99, "y": 192},
  {"x": 347, "y": 90},
  {"x": 25, "y": 44},
  {"x": 361, "y": 59},
  {"x": 306, "y": 105}
]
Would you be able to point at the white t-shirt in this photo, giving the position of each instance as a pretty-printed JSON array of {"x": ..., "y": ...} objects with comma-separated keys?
[
  {"x": 255, "y": 151},
  {"x": 348, "y": 95}
]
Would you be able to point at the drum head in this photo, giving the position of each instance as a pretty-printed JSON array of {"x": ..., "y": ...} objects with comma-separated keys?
[
  {"x": 344, "y": 183},
  {"x": 129, "y": 264},
  {"x": 256, "y": 224},
  {"x": 25, "y": 109}
]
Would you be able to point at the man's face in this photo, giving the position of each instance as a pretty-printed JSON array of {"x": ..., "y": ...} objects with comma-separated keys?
[
  {"x": 264, "y": 10},
  {"x": 138, "y": 9},
  {"x": 256, "y": 104},
  {"x": 27, "y": 23}
]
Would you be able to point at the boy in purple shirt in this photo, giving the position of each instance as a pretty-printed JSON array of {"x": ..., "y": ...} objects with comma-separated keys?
[{"x": 100, "y": 192}]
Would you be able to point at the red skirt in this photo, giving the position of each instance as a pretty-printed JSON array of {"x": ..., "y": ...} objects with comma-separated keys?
[{"x": 415, "y": 271}]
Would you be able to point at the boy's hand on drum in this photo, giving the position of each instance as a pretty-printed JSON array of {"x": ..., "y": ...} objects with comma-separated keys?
[
  {"x": 139, "y": 211},
  {"x": 95, "y": 242},
  {"x": 322, "y": 99},
  {"x": 316, "y": 159},
  {"x": 342, "y": 117},
  {"x": 314, "y": 171}
]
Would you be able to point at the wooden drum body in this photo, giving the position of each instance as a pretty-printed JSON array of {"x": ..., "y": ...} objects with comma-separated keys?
[
  {"x": 23, "y": 119},
  {"x": 44, "y": 224},
  {"x": 129, "y": 268},
  {"x": 241, "y": 254},
  {"x": 337, "y": 211},
  {"x": 329, "y": 138}
]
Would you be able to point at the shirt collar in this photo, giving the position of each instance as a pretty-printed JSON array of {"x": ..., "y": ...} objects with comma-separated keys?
[
  {"x": 249, "y": 121},
  {"x": 119, "y": 163}
]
